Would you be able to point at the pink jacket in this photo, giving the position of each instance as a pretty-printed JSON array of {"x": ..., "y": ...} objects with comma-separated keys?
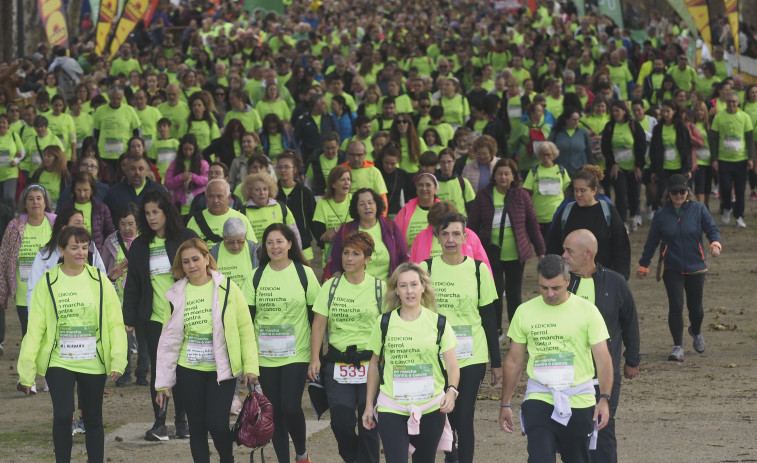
[
  {"x": 424, "y": 241},
  {"x": 414, "y": 420},
  {"x": 175, "y": 185},
  {"x": 241, "y": 344},
  {"x": 14, "y": 236},
  {"x": 403, "y": 216}
]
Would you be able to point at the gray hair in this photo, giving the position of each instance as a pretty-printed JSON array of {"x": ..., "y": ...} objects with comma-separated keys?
[
  {"x": 21, "y": 207},
  {"x": 547, "y": 147},
  {"x": 115, "y": 90},
  {"x": 222, "y": 181},
  {"x": 234, "y": 227},
  {"x": 552, "y": 266}
]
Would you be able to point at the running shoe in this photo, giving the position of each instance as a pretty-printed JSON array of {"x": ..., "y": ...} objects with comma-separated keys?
[
  {"x": 34, "y": 387},
  {"x": 677, "y": 354},
  {"x": 726, "y": 217},
  {"x": 47, "y": 388},
  {"x": 80, "y": 429},
  {"x": 699, "y": 344},
  {"x": 236, "y": 406},
  {"x": 142, "y": 381},
  {"x": 740, "y": 222},
  {"x": 451, "y": 457},
  {"x": 637, "y": 220},
  {"x": 182, "y": 430},
  {"x": 157, "y": 434},
  {"x": 123, "y": 380},
  {"x": 753, "y": 196},
  {"x": 302, "y": 459}
]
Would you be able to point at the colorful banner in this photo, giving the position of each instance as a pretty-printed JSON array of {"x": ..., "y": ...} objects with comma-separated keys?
[
  {"x": 54, "y": 21},
  {"x": 94, "y": 8},
  {"x": 732, "y": 11},
  {"x": 150, "y": 12},
  {"x": 581, "y": 7},
  {"x": 134, "y": 10},
  {"x": 612, "y": 9},
  {"x": 504, "y": 6},
  {"x": 108, "y": 10},
  {"x": 700, "y": 13}
]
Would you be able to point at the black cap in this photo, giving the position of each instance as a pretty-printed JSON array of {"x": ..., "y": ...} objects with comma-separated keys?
[{"x": 677, "y": 181}]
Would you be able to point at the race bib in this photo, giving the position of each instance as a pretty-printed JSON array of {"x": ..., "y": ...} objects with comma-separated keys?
[
  {"x": 732, "y": 144},
  {"x": 114, "y": 146},
  {"x": 550, "y": 186},
  {"x": 497, "y": 216},
  {"x": 5, "y": 158},
  {"x": 413, "y": 383},
  {"x": 159, "y": 263},
  {"x": 514, "y": 112},
  {"x": 77, "y": 343},
  {"x": 670, "y": 153},
  {"x": 554, "y": 370},
  {"x": 166, "y": 156},
  {"x": 25, "y": 268},
  {"x": 464, "y": 335},
  {"x": 148, "y": 141},
  {"x": 277, "y": 341},
  {"x": 200, "y": 348},
  {"x": 703, "y": 153},
  {"x": 36, "y": 158},
  {"x": 622, "y": 155},
  {"x": 346, "y": 373}
]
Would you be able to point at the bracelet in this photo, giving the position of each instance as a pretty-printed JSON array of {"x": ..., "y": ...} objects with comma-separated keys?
[
  {"x": 506, "y": 406},
  {"x": 454, "y": 390}
]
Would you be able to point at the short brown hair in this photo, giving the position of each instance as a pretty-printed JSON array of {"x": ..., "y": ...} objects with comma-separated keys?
[
  {"x": 361, "y": 241},
  {"x": 485, "y": 141}
]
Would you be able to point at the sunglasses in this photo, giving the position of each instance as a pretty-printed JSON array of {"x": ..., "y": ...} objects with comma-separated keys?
[{"x": 678, "y": 192}]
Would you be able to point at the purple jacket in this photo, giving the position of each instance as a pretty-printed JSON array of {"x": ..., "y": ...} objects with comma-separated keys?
[
  {"x": 522, "y": 218},
  {"x": 102, "y": 225},
  {"x": 393, "y": 238}
]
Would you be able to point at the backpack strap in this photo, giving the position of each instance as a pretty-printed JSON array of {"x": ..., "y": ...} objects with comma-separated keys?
[
  {"x": 255, "y": 282},
  {"x": 440, "y": 322},
  {"x": 565, "y": 214},
  {"x": 332, "y": 290},
  {"x": 428, "y": 263},
  {"x": 225, "y": 301},
  {"x": 304, "y": 282},
  {"x": 384, "y": 328},
  {"x": 122, "y": 244},
  {"x": 378, "y": 293},
  {"x": 52, "y": 296},
  {"x": 478, "y": 276},
  {"x": 462, "y": 187},
  {"x": 283, "y": 212},
  {"x": 205, "y": 229},
  {"x": 214, "y": 251},
  {"x": 606, "y": 212}
]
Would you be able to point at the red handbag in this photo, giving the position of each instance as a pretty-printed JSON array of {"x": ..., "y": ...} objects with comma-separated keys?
[{"x": 254, "y": 426}]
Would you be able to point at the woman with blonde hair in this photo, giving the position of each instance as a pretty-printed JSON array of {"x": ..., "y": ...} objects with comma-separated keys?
[
  {"x": 207, "y": 342},
  {"x": 261, "y": 207},
  {"x": 53, "y": 173},
  {"x": 412, "y": 372}
]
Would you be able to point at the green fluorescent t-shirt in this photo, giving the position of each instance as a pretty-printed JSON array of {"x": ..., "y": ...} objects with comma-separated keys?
[
  {"x": 585, "y": 289},
  {"x": 731, "y": 129},
  {"x": 622, "y": 146},
  {"x": 261, "y": 217},
  {"x": 161, "y": 279},
  {"x": 35, "y": 236},
  {"x": 197, "y": 349},
  {"x": 458, "y": 298},
  {"x": 238, "y": 266},
  {"x": 509, "y": 251},
  {"x": 78, "y": 319},
  {"x": 86, "y": 210},
  {"x": 367, "y": 177},
  {"x": 449, "y": 190},
  {"x": 671, "y": 157},
  {"x": 353, "y": 311},
  {"x": 418, "y": 223},
  {"x": 547, "y": 189},
  {"x": 559, "y": 340},
  {"x": 412, "y": 373},
  {"x": 380, "y": 260},
  {"x": 332, "y": 215},
  {"x": 281, "y": 319},
  {"x": 215, "y": 223}
]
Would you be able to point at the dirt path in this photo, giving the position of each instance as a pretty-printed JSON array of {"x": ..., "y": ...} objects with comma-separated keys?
[{"x": 701, "y": 410}]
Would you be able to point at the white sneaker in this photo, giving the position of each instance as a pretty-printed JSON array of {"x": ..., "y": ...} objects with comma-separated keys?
[
  {"x": 637, "y": 220},
  {"x": 47, "y": 388},
  {"x": 740, "y": 222},
  {"x": 726, "y": 217},
  {"x": 34, "y": 388}
]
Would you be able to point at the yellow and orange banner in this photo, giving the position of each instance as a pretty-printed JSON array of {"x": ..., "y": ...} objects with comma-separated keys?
[
  {"x": 108, "y": 9},
  {"x": 732, "y": 11},
  {"x": 701, "y": 14},
  {"x": 134, "y": 10},
  {"x": 54, "y": 21}
]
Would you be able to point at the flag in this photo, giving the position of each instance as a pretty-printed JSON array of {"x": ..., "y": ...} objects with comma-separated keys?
[
  {"x": 732, "y": 11},
  {"x": 612, "y": 9},
  {"x": 108, "y": 10},
  {"x": 134, "y": 10},
  {"x": 701, "y": 14},
  {"x": 54, "y": 21}
]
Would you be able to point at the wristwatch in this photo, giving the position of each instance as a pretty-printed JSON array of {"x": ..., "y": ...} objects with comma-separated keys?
[{"x": 605, "y": 396}]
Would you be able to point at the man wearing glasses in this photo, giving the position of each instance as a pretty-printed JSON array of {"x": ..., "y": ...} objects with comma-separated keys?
[
  {"x": 364, "y": 173},
  {"x": 91, "y": 165},
  {"x": 732, "y": 153}
]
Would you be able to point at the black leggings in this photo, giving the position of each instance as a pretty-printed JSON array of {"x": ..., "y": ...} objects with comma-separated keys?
[
  {"x": 675, "y": 285},
  {"x": 393, "y": 430},
  {"x": 208, "y": 404},
  {"x": 61, "y": 382},
  {"x": 511, "y": 284},
  {"x": 283, "y": 386},
  {"x": 733, "y": 177},
  {"x": 627, "y": 191},
  {"x": 152, "y": 332},
  {"x": 23, "y": 317},
  {"x": 461, "y": 418}
]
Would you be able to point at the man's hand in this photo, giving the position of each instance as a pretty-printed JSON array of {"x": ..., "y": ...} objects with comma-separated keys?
[
  {"x": 630, "y": 372},
  {"x": 506, "y": 419},
  {"x": 496, "y": 376},
  {"x": 602, "y": 413}
]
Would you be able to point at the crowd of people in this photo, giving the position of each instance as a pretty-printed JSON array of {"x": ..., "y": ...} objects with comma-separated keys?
[{"x": 349, "y": 194}]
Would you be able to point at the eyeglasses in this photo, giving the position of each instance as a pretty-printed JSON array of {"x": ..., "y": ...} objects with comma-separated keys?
[
  {"x": 284, "y": 167},
  {"x": 89, "y": 166},
  {"x": 678, "y": 192}
]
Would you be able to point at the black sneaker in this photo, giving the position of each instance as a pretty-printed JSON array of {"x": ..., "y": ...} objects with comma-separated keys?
[
  {"x": 142, "y": 381},
  {"x": 157, "y": 434},
  {"x": 123, "y": 380},
  {"x": 182, "y": 430}
]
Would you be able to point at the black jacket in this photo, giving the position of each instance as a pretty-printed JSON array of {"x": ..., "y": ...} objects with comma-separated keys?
[
  {"x": 302, "y": 204},
  {"x": 308, "y": 135},
  {"x": 319, "y": 180},
  {"x": 223, "y": 150},
  {"x": 138, "y": 289},
  {"x": 122, "y": 193},
  {"x": 639, "y": 144},
  {"x": 657, "y": 150},
  {"x": 613, "y": 298}
]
